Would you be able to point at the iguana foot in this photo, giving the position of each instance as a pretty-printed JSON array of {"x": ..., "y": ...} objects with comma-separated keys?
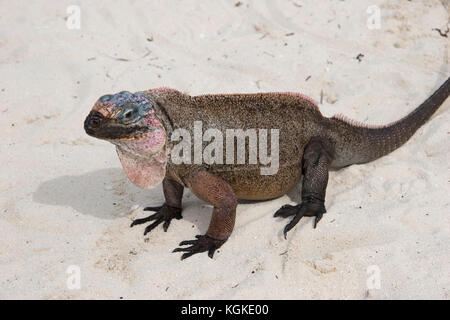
[
  {"x": 286, "y": 211},
  {"x": 203, "y": 243},
  {"x": 163, "y": 213},
  {"x": 305, "y": 209}
]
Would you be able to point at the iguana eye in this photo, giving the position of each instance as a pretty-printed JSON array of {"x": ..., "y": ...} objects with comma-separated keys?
[{"x": 128, "y": 114}]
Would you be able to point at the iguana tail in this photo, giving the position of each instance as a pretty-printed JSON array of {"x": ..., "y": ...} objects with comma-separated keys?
[{"x": 359, "y": 143}]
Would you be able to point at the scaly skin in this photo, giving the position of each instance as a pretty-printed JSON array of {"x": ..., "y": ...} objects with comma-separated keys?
[{"x": 309, "y": 145}]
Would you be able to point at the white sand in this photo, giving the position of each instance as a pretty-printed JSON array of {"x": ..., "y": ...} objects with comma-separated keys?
[{"x": 65, "y": 200}]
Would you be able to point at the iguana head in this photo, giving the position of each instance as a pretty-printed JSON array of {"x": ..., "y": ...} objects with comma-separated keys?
[{"x": 129, "y": 121}]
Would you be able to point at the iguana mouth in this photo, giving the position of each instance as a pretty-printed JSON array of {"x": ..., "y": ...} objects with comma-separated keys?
[{"x": 98, "y": 126}]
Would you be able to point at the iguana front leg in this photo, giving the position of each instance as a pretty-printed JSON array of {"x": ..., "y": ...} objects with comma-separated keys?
[
  {"x": 219, "y": 193},
  {"x": 316, "y": 159},
  {"x": 173, "y": 194}
]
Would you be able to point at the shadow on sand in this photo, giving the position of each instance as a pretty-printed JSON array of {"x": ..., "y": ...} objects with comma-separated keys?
[
  {"x": 108, "y": 194},
  {"x": 105, "y": 193}
]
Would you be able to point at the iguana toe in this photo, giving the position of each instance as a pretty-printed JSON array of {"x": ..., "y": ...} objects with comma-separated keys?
[
  {"x": 203, "y": 243},
  {"x": 164, "y": 214},
  {"x": 287, "y": 210},
  {"x": 305, "y": 209},
  {"x": 156, "y": 209}
]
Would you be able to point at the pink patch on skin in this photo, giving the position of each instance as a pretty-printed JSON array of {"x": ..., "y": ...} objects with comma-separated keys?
[
  {"x": 144, "y": 173},
  {"x": 105, "y": 108},
  {"x": 151, "y": 120},
  {"x": 148, "y": 145},
  {"x": 144, "y": 160}
]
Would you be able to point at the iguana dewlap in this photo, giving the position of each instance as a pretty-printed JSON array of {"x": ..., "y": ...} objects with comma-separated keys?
[{"x": 142, "y": 124}]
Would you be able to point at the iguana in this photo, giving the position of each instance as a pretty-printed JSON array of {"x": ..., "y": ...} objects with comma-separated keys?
[{"x": 141, "y": 124}]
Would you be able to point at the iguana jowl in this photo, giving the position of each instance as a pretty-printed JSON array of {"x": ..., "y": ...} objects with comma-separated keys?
[{"x": 140, "y": 125}]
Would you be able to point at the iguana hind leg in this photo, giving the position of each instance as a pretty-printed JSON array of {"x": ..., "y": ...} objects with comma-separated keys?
[
  {"x": 219, "y": 193},
  {"x": 316, "y": 160},
  {"x": 173, "y": 194}
]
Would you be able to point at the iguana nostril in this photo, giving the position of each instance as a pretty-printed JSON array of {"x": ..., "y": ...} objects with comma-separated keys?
[{"x": 94, "y": 120}]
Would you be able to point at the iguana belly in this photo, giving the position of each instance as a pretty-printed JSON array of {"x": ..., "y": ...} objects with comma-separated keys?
[
  {"x": 251, "y": 185},
  {"x": 248, "y": 181}
]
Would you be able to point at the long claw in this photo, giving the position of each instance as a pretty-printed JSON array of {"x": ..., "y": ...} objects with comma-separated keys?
[
  {"x": 211, "y": 252},
  {"x": 292, "y": 224},
  {"x": 305, "y": 209},
  {"x": 318, "y": 217},
  {"x": 144, "y": 220},
  {"x": 187, "y": 242},
  {"x": 166, "y": 225},
  {"x": 139, "y": 221},
  {"x": 187, "y": 255},
  {"x": 203, "y": 243},
  {"x": 286, "y": 211},
  {"x": 153, "y": 226},
  {"x": 153, "y": 208},
  {"x": 183, "y": 249},
  {"x": 164, "y": 214}
]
